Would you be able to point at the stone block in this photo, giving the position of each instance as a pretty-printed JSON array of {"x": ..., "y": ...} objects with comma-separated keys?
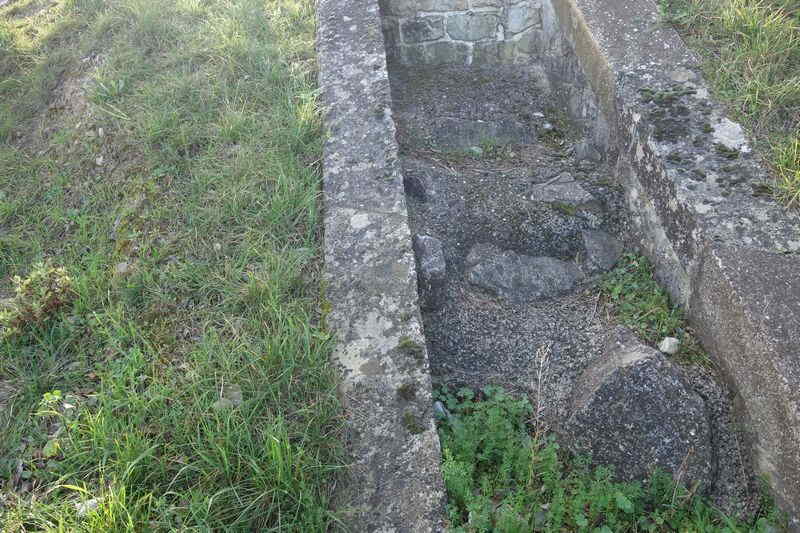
[
  {"x": 521, "y": 17},
  {"x": 472, "y": 26},
  {"x": 446, "y": 53},
  {"x": 633, "y": 410},
  {"x": 422, "y": 29}
]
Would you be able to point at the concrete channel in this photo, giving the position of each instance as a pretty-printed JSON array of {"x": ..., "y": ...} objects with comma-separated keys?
[{"x": 486, "y": 161}]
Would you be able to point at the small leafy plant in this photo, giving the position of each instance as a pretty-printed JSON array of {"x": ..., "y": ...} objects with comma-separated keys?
[
  {"x": 37, "y": 298},
  {"x": 642, "y": 304},
  {"x": 501, "y": 478}
]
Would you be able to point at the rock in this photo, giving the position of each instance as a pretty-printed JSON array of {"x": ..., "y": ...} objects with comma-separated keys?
[
  {"x": 564, "y": 188},
  {"x": 670, "y": 345},
  {"x": 477, "y": 151},
  {"x": 472, "y": 26},
  {"x": 633, "y": 410},
  {"x": 432, "y": 269},
  {"x": 83, "y": 508},
  {"x": 518, "y": 277},
  {"x": 223, "y": 404},
  {"x": 602, "y": 251},
  {"x": 417, "y": 181},
  {"x": 422, "y": 29},
  {"x": 123, "y": 269},
  {"x": 585, "y": 152},
  {"x": 440, "y": 411}
]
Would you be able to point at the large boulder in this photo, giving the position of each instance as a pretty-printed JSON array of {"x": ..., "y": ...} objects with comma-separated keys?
[
  {"x": 519, "y": 278},
  {"x": 633, "y": 410}
]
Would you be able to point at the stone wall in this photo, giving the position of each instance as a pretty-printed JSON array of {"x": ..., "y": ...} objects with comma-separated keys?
[{"x": 462, "y": 32}]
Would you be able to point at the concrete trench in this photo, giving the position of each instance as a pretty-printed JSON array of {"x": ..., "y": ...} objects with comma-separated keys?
[{"x": 487, "y": 161}]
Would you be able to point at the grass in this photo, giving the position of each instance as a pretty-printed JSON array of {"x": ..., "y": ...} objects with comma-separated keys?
[
  {"x": 751, "y": 51},
  {"x": 165, "y": 155},
  {"x": 639, "y": 302},
  {"x": 504, "y": 475}
]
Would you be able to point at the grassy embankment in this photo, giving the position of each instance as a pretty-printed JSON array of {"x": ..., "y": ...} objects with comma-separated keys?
[
  {"x": 751, "y": 52},
  {"x": 174, "y": 375}
]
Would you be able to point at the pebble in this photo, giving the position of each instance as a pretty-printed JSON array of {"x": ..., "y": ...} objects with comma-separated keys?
[
  {"x": 123, "y": 269},
  {"x": 669, "y": 346}
]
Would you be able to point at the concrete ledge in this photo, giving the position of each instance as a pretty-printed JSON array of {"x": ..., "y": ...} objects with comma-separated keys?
[
  {"x": 725, "y": 253},
  {"x": 394, "y": 482}
]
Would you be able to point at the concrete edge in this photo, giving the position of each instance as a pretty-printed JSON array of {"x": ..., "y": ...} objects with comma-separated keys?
[
  {"x": 394, "y": 482},
  {"x": 728, "y": 256}
]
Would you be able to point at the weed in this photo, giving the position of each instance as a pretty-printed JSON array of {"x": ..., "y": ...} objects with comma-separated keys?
[
  {"x": 564, "y": 208},
  {"x": 642, "y": 304},
  {"x": 501, "y": 478},
  {"x": 37, "y": 298}
]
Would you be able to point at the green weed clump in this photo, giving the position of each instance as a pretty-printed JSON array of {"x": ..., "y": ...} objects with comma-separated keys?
[
  {"x": 503, "y": 476},
  {"x": 642, "y": 304},
  {"x": 37, "y": 298}
]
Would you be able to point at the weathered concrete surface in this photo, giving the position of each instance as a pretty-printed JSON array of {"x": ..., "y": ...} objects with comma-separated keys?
[
  {"x": 692, "y": 186},
  {"x": 394, "y": 483},
  {"x": 634, "y": 410}
]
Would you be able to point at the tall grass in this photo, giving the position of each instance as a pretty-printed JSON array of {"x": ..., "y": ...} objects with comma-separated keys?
[{"x": 166, "y": 155}]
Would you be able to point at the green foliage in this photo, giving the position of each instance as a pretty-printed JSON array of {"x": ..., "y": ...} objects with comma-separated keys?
[
  {"x": 501, "y": 479},
  {"x": 36, "y": 298},
  {"x": 642, "y": 304}
]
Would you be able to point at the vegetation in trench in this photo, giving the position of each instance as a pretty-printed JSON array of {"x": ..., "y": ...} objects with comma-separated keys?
[
  {"x": 751, "y": 50},
  {"x": 639, "y": 302},
  {"x": 168, "y": 371},
  {"x": 505, "y": 476}
]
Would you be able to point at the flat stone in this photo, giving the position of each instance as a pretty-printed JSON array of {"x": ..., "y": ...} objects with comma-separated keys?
[
  {"x": 422, "y": 29},
  {"x": 432, "y": 269},
  {"x": 633, "y": 411},
  {"x": 564, "y": 188},
  {"x": 472, "y": 26},
  {"x": 602, "y": 250},
  {"x": 519, "y": 278}
]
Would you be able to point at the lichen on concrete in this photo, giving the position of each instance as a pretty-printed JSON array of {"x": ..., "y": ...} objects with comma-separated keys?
[
  {"x": 394, "y": 481},
  {"x": 692, "y": 187}
]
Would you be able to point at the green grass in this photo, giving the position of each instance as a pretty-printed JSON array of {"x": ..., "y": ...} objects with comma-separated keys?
[
  {"x": 184, "y": 384},
  {"x": 502, "y": 475},
  {"x": 639, "y": 302},
  {"x": 751, "y": 51}
]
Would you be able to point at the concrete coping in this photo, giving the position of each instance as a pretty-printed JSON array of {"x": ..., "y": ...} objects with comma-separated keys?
[
  {"x": 691, "y": 178},
  {"x": 394, "y": 482}
]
